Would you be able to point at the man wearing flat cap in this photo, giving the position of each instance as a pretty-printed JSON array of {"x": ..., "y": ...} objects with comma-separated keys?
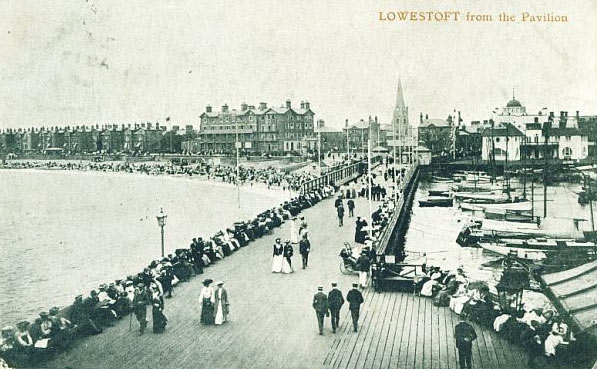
[
  {"x": 321, "y": 306},
  {"x": 336, "y": 301}
]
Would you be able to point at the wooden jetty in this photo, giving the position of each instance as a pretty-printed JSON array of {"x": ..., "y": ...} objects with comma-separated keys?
[{"x": 273, "y": 325}]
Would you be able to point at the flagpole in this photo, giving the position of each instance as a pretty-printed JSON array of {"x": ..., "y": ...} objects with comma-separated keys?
[
  {"x": 319, "y": 149},
  {"x": 395, "y": 180},
  {"x": 369, "y": 178},
  {"x": 237, "y": 161}
]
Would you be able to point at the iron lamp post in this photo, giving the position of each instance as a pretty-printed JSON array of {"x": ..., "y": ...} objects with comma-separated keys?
[{"x": 161, "y": 217}]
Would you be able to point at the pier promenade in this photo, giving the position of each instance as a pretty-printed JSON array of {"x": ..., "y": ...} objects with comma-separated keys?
[{"x": 272, "y": 324}]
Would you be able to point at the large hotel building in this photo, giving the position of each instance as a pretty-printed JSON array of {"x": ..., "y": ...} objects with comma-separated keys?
[{"x": 262, "y": 129}]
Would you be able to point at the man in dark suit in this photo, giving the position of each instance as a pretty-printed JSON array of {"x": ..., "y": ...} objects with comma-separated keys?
[
  {"x": 355, "y": 299},
  {"x": 335, "y": 301},
  {"x": 321, "y": 306},
  {"x": 305, "y": 248},
  {"x": 465, "y": 334}
]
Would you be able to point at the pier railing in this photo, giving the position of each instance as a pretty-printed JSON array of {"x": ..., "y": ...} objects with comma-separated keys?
[
  {"x": 339, "y": 176},
  {"x": 387, "y": 233}
]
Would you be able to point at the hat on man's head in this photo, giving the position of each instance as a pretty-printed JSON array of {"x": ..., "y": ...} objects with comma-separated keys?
[
  {"x": 23, "y": 324},
  {"x": 302, "y": 218},
  {"x": 54, "y": 310},
  {"x": 220, "y": 283},
  {"x": 278, "y": 239},
  {"x": 334, "y": 284},
  {"x": 320, "y": 288},
  {"x": 79, "y": 297},
  {"x": 355, "y": 284},
  {"x": 43, "y": 314}
]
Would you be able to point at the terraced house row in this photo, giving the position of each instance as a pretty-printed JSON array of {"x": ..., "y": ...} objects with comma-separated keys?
[{"x": 111, "y": 138}]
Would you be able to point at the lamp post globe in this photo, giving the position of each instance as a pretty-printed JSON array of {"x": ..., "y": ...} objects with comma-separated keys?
[{"x": 161, "y": 217}]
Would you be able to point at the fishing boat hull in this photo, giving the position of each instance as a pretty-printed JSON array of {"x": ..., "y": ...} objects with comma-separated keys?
[
  {"x": 440, "y": 201},
  {"x": 518, "y": 252}
]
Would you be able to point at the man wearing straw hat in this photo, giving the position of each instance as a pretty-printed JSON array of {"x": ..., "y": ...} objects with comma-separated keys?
[{"x": 321, "y": 306}]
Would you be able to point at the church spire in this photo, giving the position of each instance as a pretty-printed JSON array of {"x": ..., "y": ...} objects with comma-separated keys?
[{"x": 399, "y": 97}]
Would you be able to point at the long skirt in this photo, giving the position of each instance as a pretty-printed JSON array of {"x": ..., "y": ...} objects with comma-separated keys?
[
  {"x": 277, "y": 263},
  {"x": 294, "y": 236},
  {"x": 207, "y": 312},
  {"x": 159, "y": 321},
  {"x": 287, "y": 266},
  {"x": 220, "y": 318}
]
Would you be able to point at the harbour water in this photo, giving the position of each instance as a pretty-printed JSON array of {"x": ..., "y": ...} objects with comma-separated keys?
[
  {"x": 433, "y": 230},
  {"x": 64, "y": 233}
]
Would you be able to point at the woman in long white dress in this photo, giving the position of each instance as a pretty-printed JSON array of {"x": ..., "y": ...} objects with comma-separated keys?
[
  {"x": 278, "y": 257},
  {"x": 221, "y": 304},
  {"x": 294, "y": 236}
]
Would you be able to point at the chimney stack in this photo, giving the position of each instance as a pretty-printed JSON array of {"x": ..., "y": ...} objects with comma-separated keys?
[
  {"x": 244, "y": 106},
  {"x": 208, "y": 109},
  {"x": 225, "y": 108},
  {"x": 307, "y": 105},
  {"x": 262, "y": 106},
  {"x": 302, "y": 104},
  {"x": 288, "y": 104}
]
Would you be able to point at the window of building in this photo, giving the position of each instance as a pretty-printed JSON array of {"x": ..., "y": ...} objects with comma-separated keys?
[
  {"x": 568, "y": 138},
  {"x": 274, "y": 127},
  {"x": 567, "y": 152}
]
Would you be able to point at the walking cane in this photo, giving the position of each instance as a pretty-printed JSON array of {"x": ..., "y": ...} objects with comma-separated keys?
[{"x": 131, "y": 321}]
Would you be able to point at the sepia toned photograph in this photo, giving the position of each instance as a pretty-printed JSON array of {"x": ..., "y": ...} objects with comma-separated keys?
[{"x": 298, "y": 185}]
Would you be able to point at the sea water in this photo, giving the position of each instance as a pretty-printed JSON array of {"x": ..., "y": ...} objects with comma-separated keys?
[{"x": 63, "y": 233}]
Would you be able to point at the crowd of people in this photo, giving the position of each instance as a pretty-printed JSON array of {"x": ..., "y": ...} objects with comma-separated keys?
[
  {"x": 542, "y": 333},
  {"x": 103, "y": 307},
  {"x": 270, "y": 176}
]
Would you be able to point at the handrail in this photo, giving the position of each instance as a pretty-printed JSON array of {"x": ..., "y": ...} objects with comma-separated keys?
[
  {"x": 389, "y": 230},
  {"x": 343, "y": 174}
]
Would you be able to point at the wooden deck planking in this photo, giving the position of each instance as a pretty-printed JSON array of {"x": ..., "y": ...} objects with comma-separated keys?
[
  {"x": 398, "y": 332},
  {"x": 390, "y": 333},
  {"x": 452, "y": 351},
  {"x": 486, "y": 350},
  {"x": 406, "y": 332},
  {"x": 366, "y": 332},
  {"x": 371, "y": 341},
  {"x": 348, "y": 351},
  {"x": 494, "y": 349},
  {"x": 419, "y": 353},
  {"x": 414, "y": 333},
  {"x": 435, "y": 341},
  {"x": 381, "y": 323}
]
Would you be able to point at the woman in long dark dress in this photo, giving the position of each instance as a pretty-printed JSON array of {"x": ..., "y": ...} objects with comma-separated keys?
[
  {"x": 159, "y": 319},
  {"x": 207, "y": 302}
]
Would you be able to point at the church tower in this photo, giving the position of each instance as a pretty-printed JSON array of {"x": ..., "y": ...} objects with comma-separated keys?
[{"x": 400, "y": 125}]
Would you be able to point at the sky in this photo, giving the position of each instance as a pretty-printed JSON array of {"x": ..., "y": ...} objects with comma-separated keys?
[{"x": 111, "y": 61}]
